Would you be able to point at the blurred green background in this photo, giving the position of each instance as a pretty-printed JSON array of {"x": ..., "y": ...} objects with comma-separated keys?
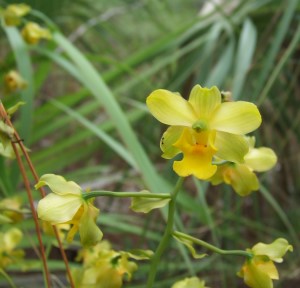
[{"x": 248, "y": 47}]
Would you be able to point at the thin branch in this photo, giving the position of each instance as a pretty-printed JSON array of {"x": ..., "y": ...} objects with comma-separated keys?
[{"x": 42, "y": 191}]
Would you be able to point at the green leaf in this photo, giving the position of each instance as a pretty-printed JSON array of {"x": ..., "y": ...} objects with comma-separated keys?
[
  {"x": 189, "y": 245},
  {"x": 14, "y": 108},
  {"x": 25, "y": 69},
  {"x": 145, "y": 204},
  {"x": 246, "y": 48},
  {"x": 139, "y": 254}
]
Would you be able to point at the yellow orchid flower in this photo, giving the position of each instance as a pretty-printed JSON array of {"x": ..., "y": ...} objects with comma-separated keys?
[
  {"x": 10, "y": 210},
  {"x": 202, "y": 127},
  {"x": 192, "y": 282},
  {"x": 13, "y": 14},
  {"x": 241, "y": 176},
  {"x": 259, "y": 271},
  {"x": 32, "y": 33},
  {"x": 104, "y": 267},
  {"x": 66, "y": 205},
  {"x": 14, "y": 81},
  {"x": 8, "y": 242}
]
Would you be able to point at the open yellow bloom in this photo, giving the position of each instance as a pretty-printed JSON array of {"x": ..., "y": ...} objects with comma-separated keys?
[
  {"x": 202, "y": 127},
  {"x": 66, "y": 205},
  {"x": 241, "y": 176},
  {"x": 13, "y": 14},
  {"x": 259, "y": 271},
  {"x": 32, "y": 33},
  {"x": 8, "y": 242},
  {"x": 103, "y": 267}
]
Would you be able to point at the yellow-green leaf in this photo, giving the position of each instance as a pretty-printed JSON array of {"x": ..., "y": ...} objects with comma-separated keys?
[
  {"x": 145, "y": 204},
  {"x": 189, "y": 245}
]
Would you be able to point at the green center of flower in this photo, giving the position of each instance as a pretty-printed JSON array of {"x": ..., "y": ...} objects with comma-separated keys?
[{"x": 200, "y": 126}]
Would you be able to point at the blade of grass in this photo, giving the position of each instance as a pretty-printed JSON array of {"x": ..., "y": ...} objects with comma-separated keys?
[
  {"x": 25, "y": 69},
  {"x": 288, "y": 10},
  {"x": 246, "y": 47},
  {"x": 291, "y": 48},
  {"x": 113, "y": 144},
  {"x": 222, "y": 67},
  {"x": 281, "y": 214}
]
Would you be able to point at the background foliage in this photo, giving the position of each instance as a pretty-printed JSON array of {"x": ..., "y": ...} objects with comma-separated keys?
[{"x": 248, "y": 47}]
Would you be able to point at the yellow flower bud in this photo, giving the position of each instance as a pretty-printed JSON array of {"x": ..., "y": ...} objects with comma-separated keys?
[
  {"x": 8, "y": 242},
  {"x": 13, "y": 82},
  {"x": 32, "y": 33},
  {"x": 13, "y": 13}
]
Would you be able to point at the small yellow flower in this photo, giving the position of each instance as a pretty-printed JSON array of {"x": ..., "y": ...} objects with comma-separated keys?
[
  {"x": 202, "y": 127},
  {"x": 8, "y": 242},
  {"x": 193, "y": 282},
  {"x": 10, "y": 210},
  {"x": 32, "y": 33},
  {"x": 13, "y": 14},
  {"x": 14, "y": 81},
  {"x": 259, "y": 271},
  {"x": 66, "y": 205},
  {"x": 103, "y": 267},
  {"x": 241, "y": 176}
]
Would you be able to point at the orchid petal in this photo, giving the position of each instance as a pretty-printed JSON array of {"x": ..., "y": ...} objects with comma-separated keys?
[
  {"x": 89, "y": 232},
  {"x": 231, "y": 147},
  {"x": 275, "y": 251},
  {"x": 58, "y": 209},
  {"x": 261, "y": 159},
  {"x": 197, "y": 157},
  {"x": 236, "y": 117},
  {"x": 170, "y": 108},
  {"x": 255, "y": 277},
  {"x": 204, "y": 100},
  {"x": 58, "y": 185},
  {"x": 171, "y": 136},
  {"x": 242, "y": 179}
]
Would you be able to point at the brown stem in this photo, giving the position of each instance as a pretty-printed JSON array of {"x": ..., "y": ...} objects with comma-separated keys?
[
  {"x": 35, "y": 218},
  {"x": 41, "y": 189}
]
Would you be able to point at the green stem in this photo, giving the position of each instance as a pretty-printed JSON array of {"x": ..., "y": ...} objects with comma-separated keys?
[
  {"x": 93, "y": 194},
  {"x": 5, "y": 275},
  {"x": 212, "y": 247},
  {"x": 166, "y": 237}
]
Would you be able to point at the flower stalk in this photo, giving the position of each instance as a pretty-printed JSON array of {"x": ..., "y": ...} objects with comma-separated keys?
[
  {"x": 167, "y": 234},
  {"x": 18, "y": 141},
  {"x": 94, "y": 194},
  {"x": 212, "y": 247},
  {"x": 8, "y": 279}
]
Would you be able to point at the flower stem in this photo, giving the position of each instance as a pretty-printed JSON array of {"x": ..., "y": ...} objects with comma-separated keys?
[
  {"x": 4, "y": 115},
  {"x": 34, "y": 215},
  {"x": 167, "y": 235},
  {"x": 212, "y": 247},
  {"x": 93, "y": 194},
  {"x": 6, "y": 276}
]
